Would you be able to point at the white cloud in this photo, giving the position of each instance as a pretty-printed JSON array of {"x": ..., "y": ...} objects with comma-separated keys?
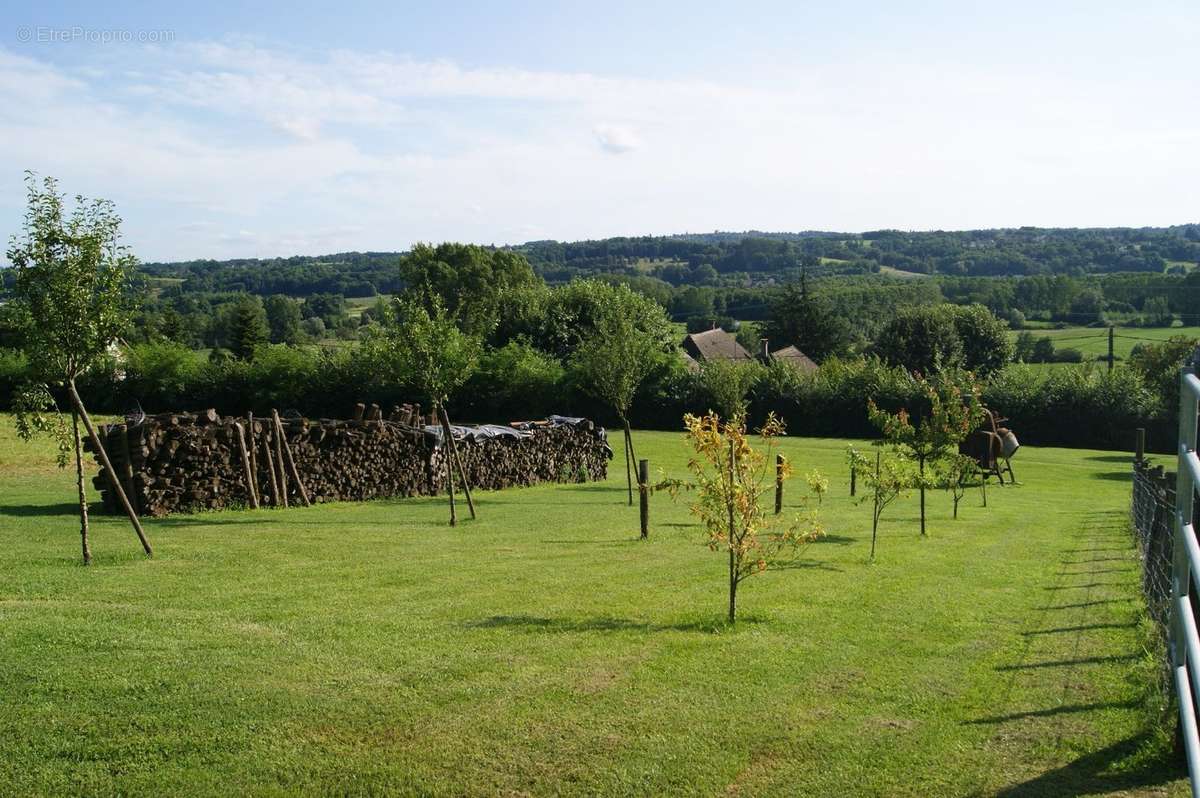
[
  {"x": 228, "y": 149},
  {"x": 617, "y": 139}
]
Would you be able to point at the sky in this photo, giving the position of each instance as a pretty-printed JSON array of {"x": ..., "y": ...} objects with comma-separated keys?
[{"x": 221, "y": 130}]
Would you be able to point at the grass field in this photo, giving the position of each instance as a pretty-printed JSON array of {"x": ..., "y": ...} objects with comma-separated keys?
[
  {"x": 543, "y": 649},
  {"x": 1093, "y": 341}
]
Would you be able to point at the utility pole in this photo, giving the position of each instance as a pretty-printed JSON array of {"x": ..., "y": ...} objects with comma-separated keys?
[{"x": 1110, "y": 347}]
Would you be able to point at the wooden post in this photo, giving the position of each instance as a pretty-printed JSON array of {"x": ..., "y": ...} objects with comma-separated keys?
[
  {"x": 283, "y": 486},
  {"x": 104, "y": 461},
  {"x": 778, "y": 483},
  {"x": 253, "y": 449},
  {"x": 853, "y": 478},
  {"x": 270, "y": 463},
  {"x": 1111, "y": 358},
  {"x": 249, "y": 474},
  {"x": 1139, "y": 452},
  {"x": 449, "y": 479},
  {"x": 291, "y": 461},
  {"x": 127, "y": 471},
  {"x": 462, "y": 472},
  {"x": 644, "y": 491}
]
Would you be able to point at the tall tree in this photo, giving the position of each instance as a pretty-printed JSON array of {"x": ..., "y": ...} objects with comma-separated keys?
[
  {"x": 247, "y": 327},
  {"x": 801, "y": 318},
  {"x": 471, "y": 282},
  {"x": 986, "y": 346},
  {"x": 922, "y": 339},
  {"x": 283, "y": 317},
  {"x": 72, "y": 290}
]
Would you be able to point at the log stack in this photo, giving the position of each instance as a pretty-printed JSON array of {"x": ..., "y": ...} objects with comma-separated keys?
[{"x": 187, "y": 462}]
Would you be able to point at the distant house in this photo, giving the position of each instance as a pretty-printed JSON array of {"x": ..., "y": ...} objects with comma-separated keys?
[
  {"x": 714, "y": 344},
  {"x": 788, "y": 355},
  {"x": 794, "y": 358}
]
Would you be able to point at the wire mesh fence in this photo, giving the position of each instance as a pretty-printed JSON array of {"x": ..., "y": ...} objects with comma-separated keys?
[{"x": 1153, "y": 511}]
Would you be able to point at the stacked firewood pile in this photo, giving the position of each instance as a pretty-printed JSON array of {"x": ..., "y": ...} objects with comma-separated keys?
[
  {"x": 185, "y": 462},
  {"x": 541, "y": 453}
]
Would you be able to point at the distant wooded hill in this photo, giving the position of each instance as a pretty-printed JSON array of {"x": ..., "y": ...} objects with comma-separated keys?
[{"x": 749, "y": 258}]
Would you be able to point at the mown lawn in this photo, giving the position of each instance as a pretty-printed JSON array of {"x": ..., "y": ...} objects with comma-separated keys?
[{"x": 543, "y": 649}]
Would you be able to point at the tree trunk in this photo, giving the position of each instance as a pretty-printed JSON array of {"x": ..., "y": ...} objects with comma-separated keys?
[
  {"x": 921, "y": 466},
  {"x": 733, "y": 582},
  {"x": 446, "y": 454},
  {"x": 462, "y": 472},
  {"x": 875, "y": 512},
  {"x": 629, "y": 461},
  {"x": 116, "y": 483},
  {"x": 83, "y": 508}
]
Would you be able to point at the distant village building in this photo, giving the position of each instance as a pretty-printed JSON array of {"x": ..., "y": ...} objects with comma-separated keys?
[
  {"x": 716, "y": 344},
  {"x": 791, "y": 356}
]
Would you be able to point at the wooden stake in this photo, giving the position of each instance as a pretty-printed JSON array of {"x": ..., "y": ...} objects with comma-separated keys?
[
  {"x": 283, "y": 486},
  {"x": 253, "y": 449},
  {"x": 778, "y": 484},
  {"x": 127, "y": 471},
  {"x": 644, "y": 492},
  {"x": 462, "y": 472},
  {"x": 449, "y": 482},
  {"x": 266, "y": 447},
  {"x": 291, "y": 462},
  {"x": 249, "y": 474},
  {"x": 116, "y": 483}
]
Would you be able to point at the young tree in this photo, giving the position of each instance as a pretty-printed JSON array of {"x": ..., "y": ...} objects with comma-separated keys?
[
  {"x": 948, "y": 416},
  {"x": 424, "y": 347},
  {"x": 728, "y": 383},
  {"x": 611, "y": 364},
  {"x": 818, "y": 483},
  {"x": 72, "y": 291},
  {"x": 886, "y": 480},
  {"x": 731, "y": 476},
  {"x": 954, "y": 472}
]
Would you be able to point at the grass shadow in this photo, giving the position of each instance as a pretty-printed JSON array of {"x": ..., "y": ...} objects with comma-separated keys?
[
  {"x": 43, "y": 510},
  {"x": 1066, "y": 709},
  {"x": 1114, "y": 476},
  {"x": 1095, "y": 774},
  {"x": 606, "y": 623},
  {"x": 1069, "y": 663}
]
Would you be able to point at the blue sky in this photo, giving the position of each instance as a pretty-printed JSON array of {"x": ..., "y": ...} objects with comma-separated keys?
[{"x": 225, "y": 131}]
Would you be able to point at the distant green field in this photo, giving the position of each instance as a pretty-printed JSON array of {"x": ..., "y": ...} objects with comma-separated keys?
[
  {"x": 1093, "y": 341},
  {"x": 648, "y": 265},
  {"x": 888, "y": 270},
  {"x": 356, "y": 305}
]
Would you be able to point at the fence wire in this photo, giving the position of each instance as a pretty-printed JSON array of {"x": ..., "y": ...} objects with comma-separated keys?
[{"x": 1153, "y": 511}]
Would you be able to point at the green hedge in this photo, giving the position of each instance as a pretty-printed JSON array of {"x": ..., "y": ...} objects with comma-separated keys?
[{"x": 1087, "y": 406}]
